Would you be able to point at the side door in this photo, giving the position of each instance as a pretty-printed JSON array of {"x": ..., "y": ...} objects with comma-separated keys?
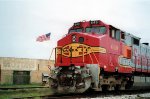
[{"x": 114, "y": 48}]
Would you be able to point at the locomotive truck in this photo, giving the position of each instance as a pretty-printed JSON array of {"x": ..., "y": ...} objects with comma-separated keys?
[{"x": 95, "y": 55}]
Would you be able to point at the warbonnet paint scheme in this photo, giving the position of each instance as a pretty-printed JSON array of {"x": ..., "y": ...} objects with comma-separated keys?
[{"x": 95, "y": 55}]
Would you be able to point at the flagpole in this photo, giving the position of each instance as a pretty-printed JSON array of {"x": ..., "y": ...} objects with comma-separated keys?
[{"x": 42, "y": 38}]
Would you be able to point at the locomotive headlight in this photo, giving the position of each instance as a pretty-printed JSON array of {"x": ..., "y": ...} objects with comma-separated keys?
[{"x": 73, "y": 38}]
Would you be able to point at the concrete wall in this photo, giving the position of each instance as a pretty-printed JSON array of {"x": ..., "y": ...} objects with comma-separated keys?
[
  {"x": 6, "y": 77},
  {"x": 35, "y": 66}
]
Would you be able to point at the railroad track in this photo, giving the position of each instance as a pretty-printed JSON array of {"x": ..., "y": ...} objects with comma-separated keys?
[
  {"x": 91, "y": 94},
  {"x": 15, "y": 88}
]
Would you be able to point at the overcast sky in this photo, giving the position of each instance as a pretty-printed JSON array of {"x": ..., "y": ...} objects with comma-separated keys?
[{"x": 22, "y": 21}]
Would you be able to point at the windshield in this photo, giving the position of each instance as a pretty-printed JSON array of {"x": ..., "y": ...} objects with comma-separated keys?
[
  {"x": 75, "y": 30},
  {"x": 99, "y": 30}
]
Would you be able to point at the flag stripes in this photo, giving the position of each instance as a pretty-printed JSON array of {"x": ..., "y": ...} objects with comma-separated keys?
[{"x": 44, "y": 37}]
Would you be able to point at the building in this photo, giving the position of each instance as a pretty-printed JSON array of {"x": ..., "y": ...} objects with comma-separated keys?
[{"x": 23, "y": 70}]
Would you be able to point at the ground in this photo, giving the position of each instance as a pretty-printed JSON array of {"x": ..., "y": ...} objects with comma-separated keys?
[{"x": 28, "y": 91}]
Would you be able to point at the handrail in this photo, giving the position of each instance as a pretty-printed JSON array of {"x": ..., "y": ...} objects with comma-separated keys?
[
  {"x": 91, "y": 58},
  {"x": 83, "y": 53},
  {"x": 49, "y": 62},
  {"x": 51, "y": 53},
  {"x": 71, "y": 55},
  {"x": 95, "y": 57}
]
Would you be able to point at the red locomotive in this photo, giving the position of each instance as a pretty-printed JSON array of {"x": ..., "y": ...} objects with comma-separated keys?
[{"x": 100, "y": 56}]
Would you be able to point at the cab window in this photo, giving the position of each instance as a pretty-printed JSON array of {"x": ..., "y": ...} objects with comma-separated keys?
[
  {"x": 122, "y": 35},
  {"x": 75, "y": 30},
  {"x": 135, "y": 41},
  {"x": 115, "y": 34},
  {"x": 98, "y": 30}
]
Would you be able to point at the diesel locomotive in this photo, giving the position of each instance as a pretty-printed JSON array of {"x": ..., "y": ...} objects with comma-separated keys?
[{"x": 95, "y": 55}]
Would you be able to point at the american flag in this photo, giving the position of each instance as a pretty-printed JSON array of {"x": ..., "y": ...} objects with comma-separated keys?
[{"x": 44, "y": 37}]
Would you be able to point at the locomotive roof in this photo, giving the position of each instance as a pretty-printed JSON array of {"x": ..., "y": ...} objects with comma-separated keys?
[{"x": 84, "y": 21}]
